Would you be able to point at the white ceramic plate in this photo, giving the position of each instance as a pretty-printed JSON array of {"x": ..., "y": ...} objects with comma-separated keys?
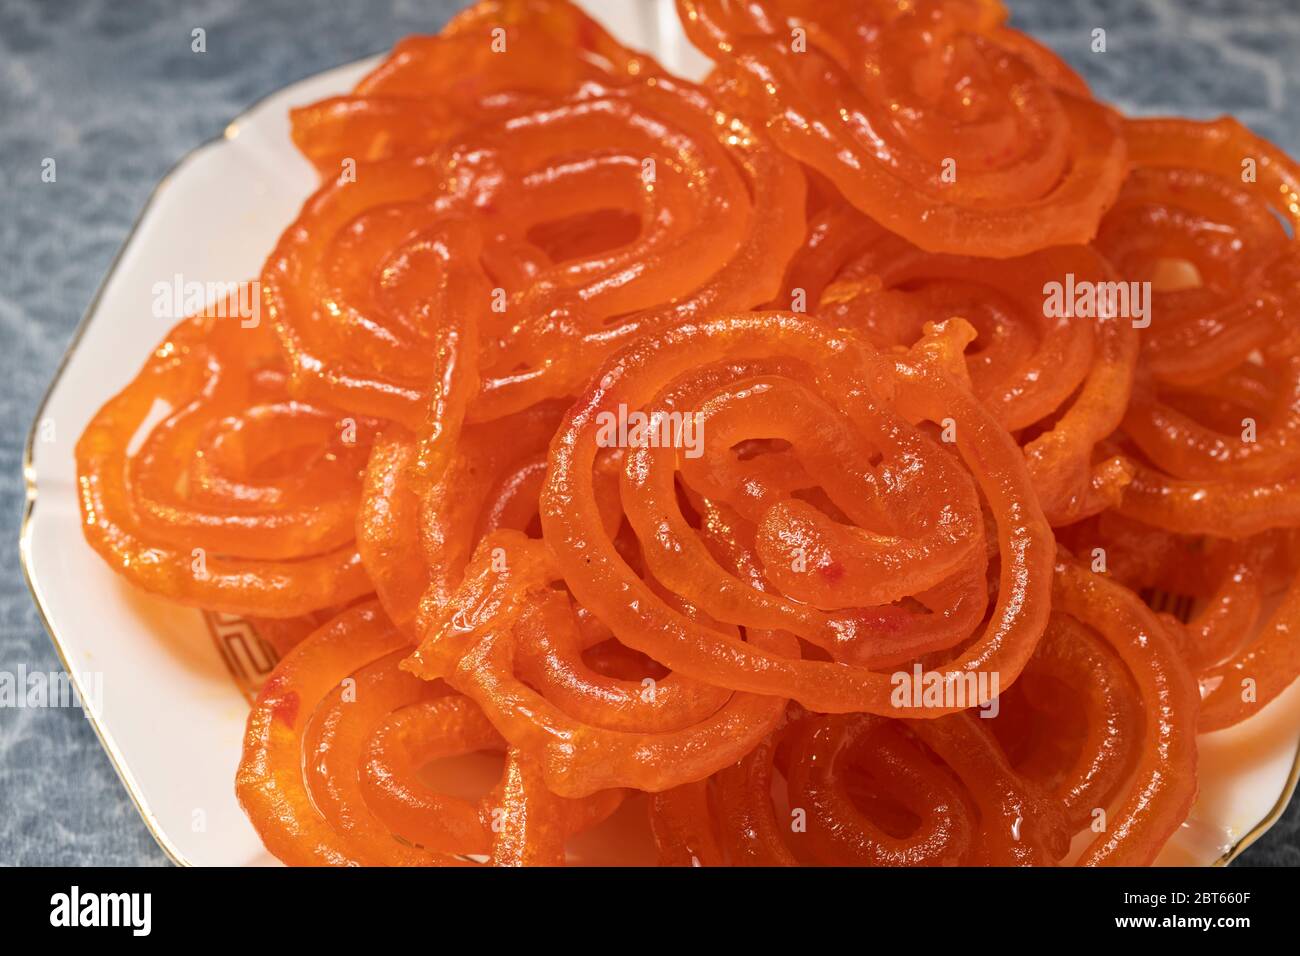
[{"x": 167, "y": 686}]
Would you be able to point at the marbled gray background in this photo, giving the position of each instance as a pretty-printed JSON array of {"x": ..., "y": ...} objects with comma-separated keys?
[{"x": 111, "y": 90}]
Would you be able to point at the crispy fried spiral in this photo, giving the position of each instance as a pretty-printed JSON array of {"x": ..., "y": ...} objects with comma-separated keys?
[
  {"x": 923, "y": 115},
  {"x": 881, "y": 454},
  {"x": 240, "y": 498}
]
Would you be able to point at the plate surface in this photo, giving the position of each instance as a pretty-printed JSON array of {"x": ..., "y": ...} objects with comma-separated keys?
[{"x": 166, "y": 687}]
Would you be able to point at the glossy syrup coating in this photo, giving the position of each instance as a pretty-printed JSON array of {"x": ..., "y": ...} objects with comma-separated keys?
[
  {"x": 720, "y": 456},
  {"x": 923, "y": 116},
  {"x": 240, "y": 498}
]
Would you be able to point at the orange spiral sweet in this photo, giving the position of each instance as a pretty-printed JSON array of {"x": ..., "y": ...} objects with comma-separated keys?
[
  {"x": 881, "y": 454},
  {"x": 1093, "y": 742},
  {"x": 923, "y": 117},
  {"x": 240, "y": 499},
  {"x": 341, "y": 699},
  {"x": 864, "y": 791},
  {"x": 499, "y": 57},
  {"x": 1201, "y": 219},
  {"x": 475, "y": 653},
  {"x": 937, "y": 556},
  {"x": 485, "y": 259},
  {"x": 1068, "y": 375},
  {"x": 1230, "y": 607}
]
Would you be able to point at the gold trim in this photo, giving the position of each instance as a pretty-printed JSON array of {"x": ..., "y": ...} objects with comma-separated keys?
[
  {"x": 29, "y": 477},
  {"x": 1273, "y": 815},
  {"x": 114, "y": 757},
  {"x": 239, "y": 644}
]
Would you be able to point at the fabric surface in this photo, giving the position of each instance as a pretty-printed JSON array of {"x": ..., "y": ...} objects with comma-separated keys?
[{"x": 112, "y": 91}]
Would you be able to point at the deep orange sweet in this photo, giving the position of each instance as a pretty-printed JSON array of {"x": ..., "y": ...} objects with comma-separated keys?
[
  {"x": 922, "y": 116},
  {"x": 240, "y": 499},
  {"x": 721, "y": 450}
]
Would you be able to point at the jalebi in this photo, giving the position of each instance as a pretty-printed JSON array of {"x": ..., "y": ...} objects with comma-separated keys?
[{"x": 882, "y": 453}]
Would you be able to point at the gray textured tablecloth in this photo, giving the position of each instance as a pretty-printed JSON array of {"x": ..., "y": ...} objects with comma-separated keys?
[{"x": 111, "y": 89}]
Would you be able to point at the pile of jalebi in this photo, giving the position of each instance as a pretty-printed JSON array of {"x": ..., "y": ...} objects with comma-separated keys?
[{"x": 882, "y": 453}]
